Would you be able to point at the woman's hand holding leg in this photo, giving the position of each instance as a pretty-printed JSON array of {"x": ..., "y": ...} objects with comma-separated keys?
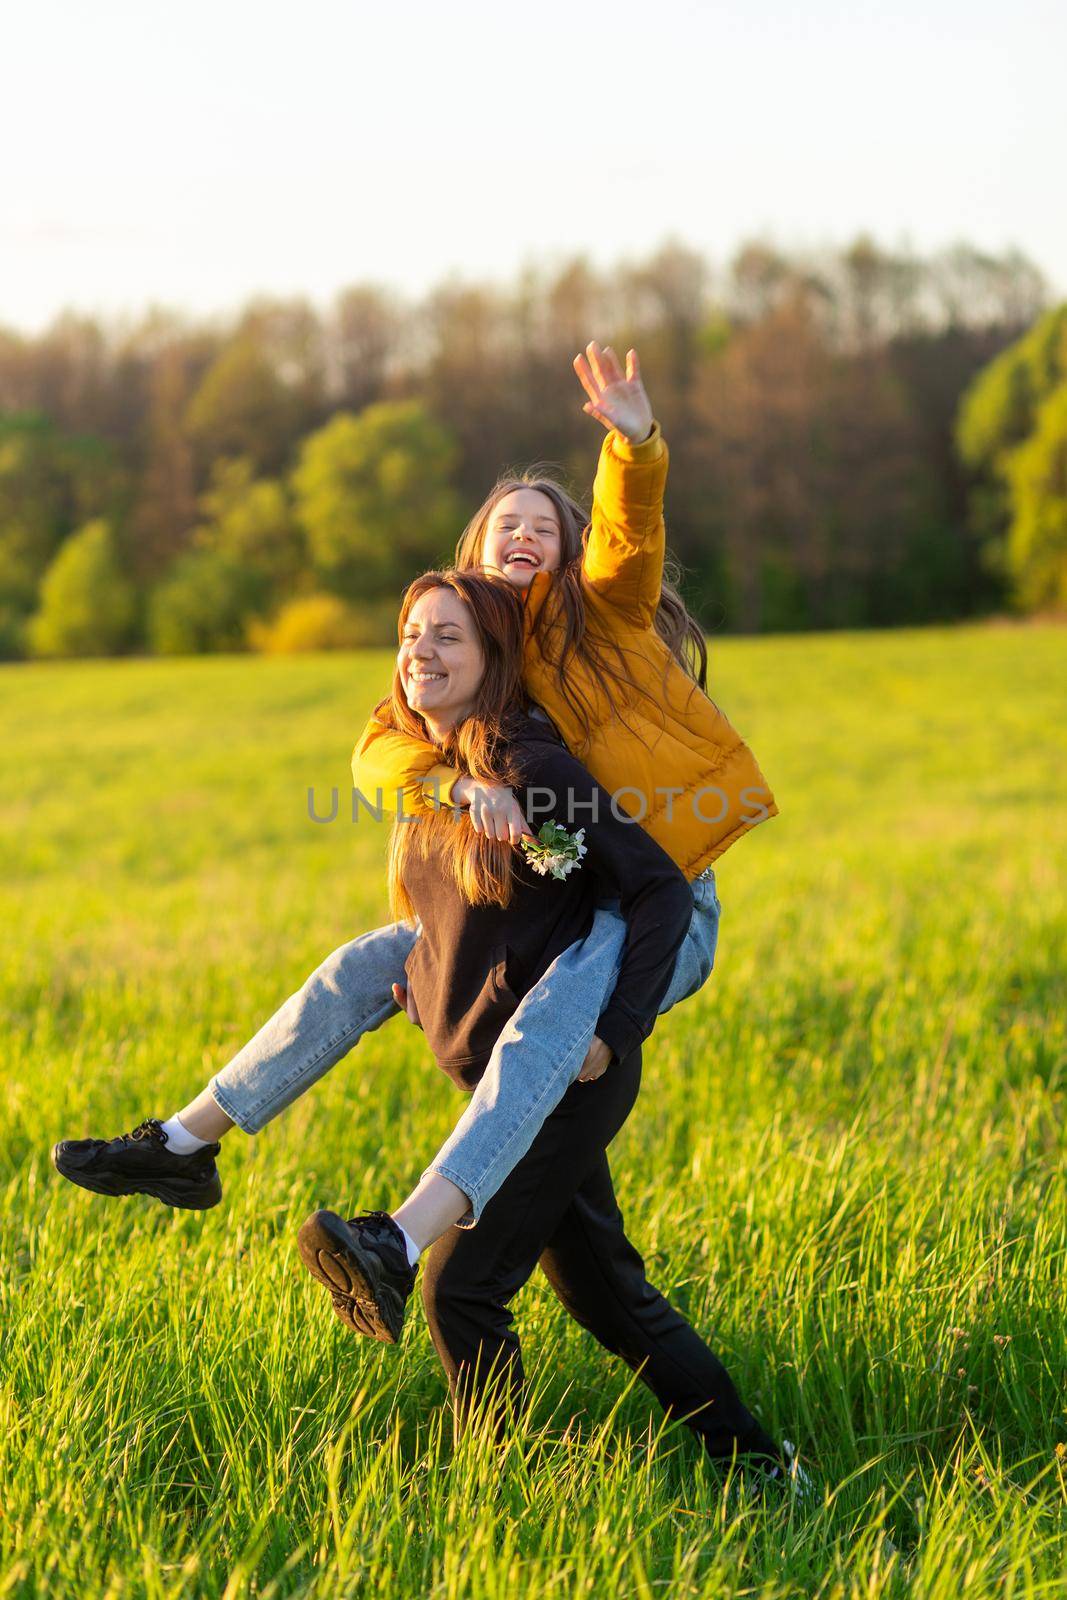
[{"x": 597, "y": 1060}]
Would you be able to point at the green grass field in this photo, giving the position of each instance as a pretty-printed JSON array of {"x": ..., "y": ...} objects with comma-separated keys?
[{"x": 846, "y": 1164}]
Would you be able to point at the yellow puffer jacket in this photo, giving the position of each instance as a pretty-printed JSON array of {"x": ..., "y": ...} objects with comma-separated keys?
[{"x": 690, "y": 779}]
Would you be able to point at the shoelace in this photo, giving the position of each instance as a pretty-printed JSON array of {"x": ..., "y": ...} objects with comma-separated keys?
[
  {"x": 151, "y": 1128},
  {"x": 383, "y": 1230},
  {"x": 381, "y": 1221}
]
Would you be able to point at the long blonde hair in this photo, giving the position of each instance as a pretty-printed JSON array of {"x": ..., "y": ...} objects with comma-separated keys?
[
  {"x": 481, "y": 868},
  {"x": 568, "y": 632}
]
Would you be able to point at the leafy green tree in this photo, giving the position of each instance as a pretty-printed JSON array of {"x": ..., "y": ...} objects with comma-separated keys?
[
  {"x": 372, "y": 495},
  {"x": 1012, "y": 434},
  {"x": 32, "y": 505},
  {"x": 1037, "y": 538},
  {"x": 203, "y": 604},
  {"x": 51, "y": 483},
  {"x": 87, "y": 605},
  {"x": 246, "y": 555},
  {"x": 243, "y": 407},
  {"x": 999, "y": 409},
  {"x": 251, "y": 520}
]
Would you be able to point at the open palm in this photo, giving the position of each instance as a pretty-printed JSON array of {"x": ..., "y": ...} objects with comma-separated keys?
[{"x": 616, "y": 398}]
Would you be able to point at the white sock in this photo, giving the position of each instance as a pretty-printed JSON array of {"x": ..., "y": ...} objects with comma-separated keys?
[
  {"x": 413, "y": 1250},
  {"x": 180, "y": 1142}
]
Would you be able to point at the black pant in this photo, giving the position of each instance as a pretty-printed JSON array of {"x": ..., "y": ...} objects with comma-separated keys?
[{"x": 558, "y": 1207}]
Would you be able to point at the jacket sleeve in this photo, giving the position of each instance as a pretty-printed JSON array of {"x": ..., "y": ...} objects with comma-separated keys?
[
  {"x": 385, "y": 762},
  {"x": 654, "y": 897},
  {"x": 624, "y": 552}
]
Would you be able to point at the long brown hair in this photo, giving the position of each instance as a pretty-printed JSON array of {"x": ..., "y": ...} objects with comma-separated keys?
[
  {"x": 567, "y": 633},
  {"x": 480, "y": 867}
]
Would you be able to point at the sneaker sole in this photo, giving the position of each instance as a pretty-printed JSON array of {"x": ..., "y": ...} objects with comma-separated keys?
[
  {"x": 156, "y": 1191},
  {"x": 326, "y": 1251}
]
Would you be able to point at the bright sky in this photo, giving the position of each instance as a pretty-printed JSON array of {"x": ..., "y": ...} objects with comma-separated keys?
[{"x": 194, "y": 154}]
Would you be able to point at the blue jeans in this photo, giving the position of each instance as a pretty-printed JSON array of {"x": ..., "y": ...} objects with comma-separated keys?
[{"x": 535, "y": 1060}]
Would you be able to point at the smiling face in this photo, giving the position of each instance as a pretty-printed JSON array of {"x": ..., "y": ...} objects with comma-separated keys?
[
  {"x": 440, "y": 660},
  {"x": 522, "y": 536}
]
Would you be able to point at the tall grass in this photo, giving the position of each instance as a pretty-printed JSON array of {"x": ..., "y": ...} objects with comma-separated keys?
[{"x": 846, "y": 1164}]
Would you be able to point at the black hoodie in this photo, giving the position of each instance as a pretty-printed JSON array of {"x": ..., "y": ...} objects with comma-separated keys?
[{"x": 472, "y": 964}]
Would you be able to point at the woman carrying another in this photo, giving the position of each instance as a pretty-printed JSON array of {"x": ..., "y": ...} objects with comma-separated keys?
[
  {"x": 607, "y": 652},
  {"x": 490, "y": 927}
]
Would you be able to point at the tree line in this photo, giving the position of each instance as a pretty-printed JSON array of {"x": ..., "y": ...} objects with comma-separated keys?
[{"x": 271, "y": 481}]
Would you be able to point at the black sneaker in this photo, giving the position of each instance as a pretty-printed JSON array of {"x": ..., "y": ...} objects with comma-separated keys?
[
  {"x": 786, "y": 1481},
  {"x": 140, "y": 1163},
  {"x": 364, "y": 1264}
]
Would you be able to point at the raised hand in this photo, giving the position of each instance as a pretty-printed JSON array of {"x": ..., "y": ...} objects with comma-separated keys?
[{"x": 616, "y": 398}]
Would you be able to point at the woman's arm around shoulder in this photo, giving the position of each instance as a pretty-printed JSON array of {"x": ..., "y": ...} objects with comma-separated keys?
[
  {"x": 391, "y": 768},
  {"x": 387, "y": 764}
]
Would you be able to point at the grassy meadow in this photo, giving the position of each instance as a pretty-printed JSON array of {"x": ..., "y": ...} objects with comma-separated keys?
[{"x": 846, "y": 1164}]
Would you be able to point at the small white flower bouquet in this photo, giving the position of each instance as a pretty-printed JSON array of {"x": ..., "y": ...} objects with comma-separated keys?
[{"x": 554, "y": 850}]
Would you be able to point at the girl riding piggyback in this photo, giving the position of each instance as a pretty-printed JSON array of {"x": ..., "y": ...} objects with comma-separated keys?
[
  {"x": 615, "y": 664},
  {"x": 612, "y": 655},
  {"x": 613, "y": 660}
]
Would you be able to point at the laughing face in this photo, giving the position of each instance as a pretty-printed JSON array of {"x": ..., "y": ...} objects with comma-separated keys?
[
  {"x": 440, "y": 659},
  {"x": 522, "y": 537}
]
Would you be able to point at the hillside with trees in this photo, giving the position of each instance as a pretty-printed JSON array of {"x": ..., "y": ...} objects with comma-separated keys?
[{"x": 271, "y": 482}]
